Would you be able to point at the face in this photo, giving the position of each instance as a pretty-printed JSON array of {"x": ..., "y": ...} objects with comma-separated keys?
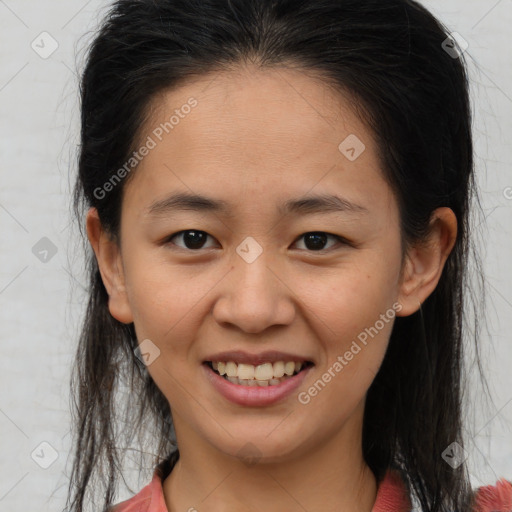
[{"x": 302, "y": 256}]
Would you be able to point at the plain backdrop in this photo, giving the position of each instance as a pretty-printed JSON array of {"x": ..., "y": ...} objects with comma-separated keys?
[{"x": 41, "y": 282}]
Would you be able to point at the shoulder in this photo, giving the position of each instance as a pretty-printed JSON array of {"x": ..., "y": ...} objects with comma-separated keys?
[
  {"x": 139, "y": 503},
  {"x": 394, "y": 494},
  {"x": 494, "y": 498},
  {"x": 149, "y": 499}
]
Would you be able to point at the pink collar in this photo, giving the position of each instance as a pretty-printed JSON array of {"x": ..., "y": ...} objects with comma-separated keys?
[{"x": 392, "y": 495}]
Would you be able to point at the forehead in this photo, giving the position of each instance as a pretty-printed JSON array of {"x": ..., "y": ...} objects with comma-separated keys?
[
  {"x": 268, "y": 131},
  {"x": 267, "y": 103}
]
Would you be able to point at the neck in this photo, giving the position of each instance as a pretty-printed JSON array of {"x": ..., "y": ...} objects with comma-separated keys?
[{"x": 330, "y": 477}]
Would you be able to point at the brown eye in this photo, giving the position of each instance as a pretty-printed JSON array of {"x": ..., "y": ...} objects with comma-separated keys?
[
  {"x": 193, "y": 239},
  {"x": 316, "y": 240}
]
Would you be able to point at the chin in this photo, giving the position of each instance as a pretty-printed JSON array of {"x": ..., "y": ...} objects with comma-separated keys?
[{"x": 261, "y": 446}]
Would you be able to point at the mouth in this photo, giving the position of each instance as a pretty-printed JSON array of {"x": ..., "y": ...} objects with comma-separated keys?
[{"x": 262, "y": 375}]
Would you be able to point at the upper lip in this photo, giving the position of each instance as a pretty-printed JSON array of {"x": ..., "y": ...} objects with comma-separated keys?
[{"x": 269, "y": 356}]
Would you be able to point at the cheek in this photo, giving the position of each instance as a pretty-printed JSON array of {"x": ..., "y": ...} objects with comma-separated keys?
[
  {"x": 158, "y": 292},
  {"x": 169, "y": 304},
  {"x": 355, "y": 338},
  {"x": 165, "y": 306},
  {"x": 157, "y": 300},
  {"x": 354, "y": 318},
  {"x": 350, "y": 299}
]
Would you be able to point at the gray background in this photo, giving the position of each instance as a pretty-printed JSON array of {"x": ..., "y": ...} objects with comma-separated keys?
[{"x": 41, "y": 302}]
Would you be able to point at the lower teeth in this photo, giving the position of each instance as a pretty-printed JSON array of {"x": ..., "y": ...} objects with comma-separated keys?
[{"x": 255, "y": 382}]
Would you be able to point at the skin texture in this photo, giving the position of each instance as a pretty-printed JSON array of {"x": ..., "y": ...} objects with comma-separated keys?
[{"x": 256, "y": 139}]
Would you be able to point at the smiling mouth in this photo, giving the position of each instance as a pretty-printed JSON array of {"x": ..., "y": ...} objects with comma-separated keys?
[{"x": 266, "y": 374}]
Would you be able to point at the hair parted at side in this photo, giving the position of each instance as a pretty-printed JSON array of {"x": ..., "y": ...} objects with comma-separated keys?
[{"x": 388, "y": 55}]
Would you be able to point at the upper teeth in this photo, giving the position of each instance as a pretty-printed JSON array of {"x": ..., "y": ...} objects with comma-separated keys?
[{"x": 265, "y": 371}]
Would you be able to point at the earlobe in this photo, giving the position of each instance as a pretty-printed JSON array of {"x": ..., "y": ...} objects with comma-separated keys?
[
  {"x": 108, "y": 256},
  {"x": 425, "y": 261}
]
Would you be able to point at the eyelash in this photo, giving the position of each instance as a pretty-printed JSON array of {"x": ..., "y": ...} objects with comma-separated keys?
[{"x": 340, "y": 239}]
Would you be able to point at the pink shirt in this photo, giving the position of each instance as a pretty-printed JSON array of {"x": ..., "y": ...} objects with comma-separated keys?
[{"x": 392, "y": 496}]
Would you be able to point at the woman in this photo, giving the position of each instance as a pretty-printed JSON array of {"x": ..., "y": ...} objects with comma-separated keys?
[{"x": 277, "y": 198}]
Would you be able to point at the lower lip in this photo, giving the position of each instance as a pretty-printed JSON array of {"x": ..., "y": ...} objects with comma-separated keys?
[{"x": 255, "y": 395}]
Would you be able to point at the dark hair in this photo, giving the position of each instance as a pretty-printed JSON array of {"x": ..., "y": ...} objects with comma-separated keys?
[{"x": 413, "y": 94}]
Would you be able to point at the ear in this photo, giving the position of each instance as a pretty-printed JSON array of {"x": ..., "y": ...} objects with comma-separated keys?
[
  {"x": 108, "y": 256},
  {"x": 425, "y": 261}
]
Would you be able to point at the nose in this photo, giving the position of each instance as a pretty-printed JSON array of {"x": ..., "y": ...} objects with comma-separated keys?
[{"x": 254, "y": 296}]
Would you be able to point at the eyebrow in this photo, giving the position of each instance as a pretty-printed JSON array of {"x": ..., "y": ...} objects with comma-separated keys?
[{"x": 323, "y": 203}]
